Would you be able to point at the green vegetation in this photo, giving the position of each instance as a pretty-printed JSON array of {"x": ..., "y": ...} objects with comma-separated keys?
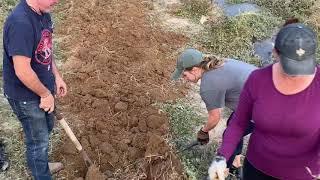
[
  {"x": 185, "y": 122},
  {"x": 194, "y": 9},
  {"x": 234, "y": 37},
  {"x": 288, "y": 8},
  {"x": 307, "y": 11},
  {"x": 231, "y": 37}
]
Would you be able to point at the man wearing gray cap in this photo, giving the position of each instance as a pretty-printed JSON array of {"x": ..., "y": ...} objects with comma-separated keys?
[
  {"x": 283, "y": 99},
  {"x": 221, "y": 84}
]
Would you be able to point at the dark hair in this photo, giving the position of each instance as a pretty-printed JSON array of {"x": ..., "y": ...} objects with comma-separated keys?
[{"x": 291, "y": 21}]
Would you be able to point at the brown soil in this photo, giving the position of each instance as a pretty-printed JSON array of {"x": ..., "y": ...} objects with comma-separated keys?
[
  {"x": 94, "y": 174},
  {"x": 118, "y": 65}
]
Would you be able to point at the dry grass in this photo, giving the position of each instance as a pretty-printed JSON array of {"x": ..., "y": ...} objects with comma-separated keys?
[
  {"x": 234, "y": 37},
  {"x": 288, "y": 8},
  {"x": 194, "y": 9},
  {"x": 314, "y": 17}
]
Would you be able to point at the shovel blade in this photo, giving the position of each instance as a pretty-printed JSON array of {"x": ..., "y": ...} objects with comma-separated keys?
[{"x": 191, "y": 145}]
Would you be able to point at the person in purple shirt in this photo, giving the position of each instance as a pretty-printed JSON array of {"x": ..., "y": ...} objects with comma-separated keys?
[{"x": 283, "y": 100}]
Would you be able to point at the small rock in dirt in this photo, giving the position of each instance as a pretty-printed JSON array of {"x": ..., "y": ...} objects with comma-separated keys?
[
  {"x": 103, "y": 137},
  {"x": 140, "y": 140},
  {"x": 114, "y": 158},
  {"x": 142, "y": 125},
  {"x": 133, "y": 121},
  {"x": 90, "y": 124},
  {"x": 105, "y": 132},
  {"x": 163, "y": 129},
  {"x": 99, "y": 93},
  {"x": 135, "y": 130},
  {"x": 69, "y": 148},
  {"x": 123, "y": 146},
  {"x": 93, "y": 173},
  {"x": 106, "y": 148},
  {"x": 100, "y": 125},
  {"x": 116, "y": 99},
  {"x": 100, "y": 103},
  {"x": 85, "y": 143},
  {"x": 121, "y": 106},
  {"x": 127, "y": 141},
  {"x": 155, "y": 122},
  {"x": 79, "y": 178},
  {"x": 155, "y": 145},
  {"x": 94, "y": 141},
  {"x": 108, "y": 173},
  {"x": 116, "y": 129},
  {"x": 133, "y": 153}
]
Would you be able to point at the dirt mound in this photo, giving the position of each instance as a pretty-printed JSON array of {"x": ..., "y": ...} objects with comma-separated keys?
[{"x": 117, "y": 67}]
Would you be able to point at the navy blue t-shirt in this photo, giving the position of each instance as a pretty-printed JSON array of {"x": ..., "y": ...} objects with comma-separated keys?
[{"x": 28, "y": 34}]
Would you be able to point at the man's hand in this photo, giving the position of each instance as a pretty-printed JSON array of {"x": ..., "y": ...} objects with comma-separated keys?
[
  {"x": 203, "y": 137},
  {"x": 61, "y": 87},
  {"x": 47, "y": 103},
  {"x": 218, "y": 168}
]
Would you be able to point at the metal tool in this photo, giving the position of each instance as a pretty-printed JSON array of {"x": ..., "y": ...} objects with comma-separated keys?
[{"x": 191, "y": 145}]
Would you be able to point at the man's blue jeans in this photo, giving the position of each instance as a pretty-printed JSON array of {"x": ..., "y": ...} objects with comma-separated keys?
[{"x": 37, "y": 125}]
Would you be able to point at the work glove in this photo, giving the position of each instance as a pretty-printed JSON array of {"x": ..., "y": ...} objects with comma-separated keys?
[
  {"x": 203, "y": 137},
  {"x": 218, "y": 168},
  {"x": 317, "y": 177}
]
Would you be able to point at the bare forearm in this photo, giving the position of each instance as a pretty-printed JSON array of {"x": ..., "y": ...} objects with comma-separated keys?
[
  {"x": 213, "y": 120},
  {"x": 29, "y": 78}
]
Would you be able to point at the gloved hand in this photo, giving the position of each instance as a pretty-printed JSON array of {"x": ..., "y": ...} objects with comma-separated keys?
[
  {"x": 218, "y": 168},
  {"x": 312, "y": 175},
  {"x": 203, "y": 137}
]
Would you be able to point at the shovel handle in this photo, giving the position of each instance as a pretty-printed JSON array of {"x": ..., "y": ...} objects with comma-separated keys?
[{"x": 67, "y": 129}]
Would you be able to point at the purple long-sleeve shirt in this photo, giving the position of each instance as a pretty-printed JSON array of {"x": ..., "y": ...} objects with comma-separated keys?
[{"x": 286, "y": 138}]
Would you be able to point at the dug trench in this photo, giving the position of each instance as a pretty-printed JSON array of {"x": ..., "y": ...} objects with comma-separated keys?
[{"x": 117, "y": 67}]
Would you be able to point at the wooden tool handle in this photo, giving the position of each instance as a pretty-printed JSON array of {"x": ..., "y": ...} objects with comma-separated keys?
[{"x": 68, "y": 130}]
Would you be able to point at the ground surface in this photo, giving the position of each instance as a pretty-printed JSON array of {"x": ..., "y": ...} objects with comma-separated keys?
[
  {"x": 117, "y": 57},
  {"x": 117, "y": 67}
]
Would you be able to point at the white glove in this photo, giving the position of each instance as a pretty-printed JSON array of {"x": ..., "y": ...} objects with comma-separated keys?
[
  {"x": 217, "y": 168},
  {"x": 312, "y": 175}
]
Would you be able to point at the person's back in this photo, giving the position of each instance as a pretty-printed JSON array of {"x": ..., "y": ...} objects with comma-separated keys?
[{"x": 224, "y": 84}]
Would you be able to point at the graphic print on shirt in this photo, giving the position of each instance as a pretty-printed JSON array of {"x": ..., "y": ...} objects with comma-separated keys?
[{"x": 43, "y": 53}]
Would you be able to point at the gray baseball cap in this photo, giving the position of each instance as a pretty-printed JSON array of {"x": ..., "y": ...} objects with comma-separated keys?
[
  {"x": 297, "y": 44},
  {"x": 188, "y": 58}
]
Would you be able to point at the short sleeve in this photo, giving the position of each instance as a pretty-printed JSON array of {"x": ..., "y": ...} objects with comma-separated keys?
[
  {"x": 213, "y": 99},
  {"x": 20, "y": 38}
]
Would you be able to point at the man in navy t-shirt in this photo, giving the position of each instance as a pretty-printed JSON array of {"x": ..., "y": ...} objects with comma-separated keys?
[{"x": 31, "y": 78}]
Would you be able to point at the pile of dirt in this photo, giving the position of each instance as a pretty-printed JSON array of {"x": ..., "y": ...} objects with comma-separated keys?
[{"x": 118, "y": 65}]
